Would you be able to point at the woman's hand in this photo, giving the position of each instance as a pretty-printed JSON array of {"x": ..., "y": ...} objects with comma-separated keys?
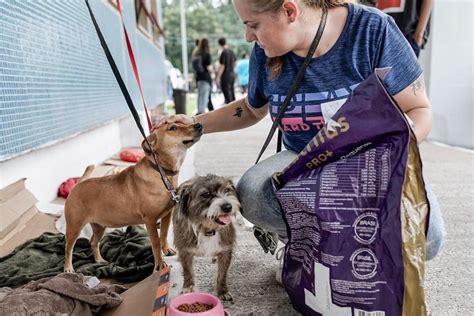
[
  {"x": 418, "y": 37},
  {"x": 179, "y": 118}
]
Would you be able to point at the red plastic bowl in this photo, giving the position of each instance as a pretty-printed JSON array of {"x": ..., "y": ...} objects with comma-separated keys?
[{"x": 190, "y": 298}]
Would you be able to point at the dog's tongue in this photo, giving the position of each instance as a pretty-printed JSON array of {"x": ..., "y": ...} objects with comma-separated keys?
[{"x": 225, "y": 219}]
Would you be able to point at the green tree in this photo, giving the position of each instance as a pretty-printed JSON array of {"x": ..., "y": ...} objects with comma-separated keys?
[{"x": 205, "y": 18}]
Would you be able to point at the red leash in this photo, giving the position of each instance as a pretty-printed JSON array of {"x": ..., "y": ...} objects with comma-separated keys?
[
  {"x": 134, "y": 64},
  {"x": 128, "y": 99}
]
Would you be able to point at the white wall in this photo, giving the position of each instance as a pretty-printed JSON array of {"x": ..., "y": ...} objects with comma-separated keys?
[
  {"x": 449, "y": 71},
  {"x": 46, "y": 168}
]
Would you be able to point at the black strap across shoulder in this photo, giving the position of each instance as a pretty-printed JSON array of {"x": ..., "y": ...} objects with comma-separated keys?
[
  {"x": 295, "y": 84},
  {"x": 128, "y": 99}
]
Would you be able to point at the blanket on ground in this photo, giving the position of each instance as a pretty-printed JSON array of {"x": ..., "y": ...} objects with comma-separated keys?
[
  {"x": 129, "y": 256},
  {"x": 64, "y": 294}
]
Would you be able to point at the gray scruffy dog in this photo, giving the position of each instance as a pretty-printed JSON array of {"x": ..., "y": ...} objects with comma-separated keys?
[{"x": 203, "y": 226}]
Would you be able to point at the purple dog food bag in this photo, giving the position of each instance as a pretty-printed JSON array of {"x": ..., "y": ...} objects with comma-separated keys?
[{"x": 356, "y": 211}]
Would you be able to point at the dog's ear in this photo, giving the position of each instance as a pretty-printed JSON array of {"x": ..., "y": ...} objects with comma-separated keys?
[
  {"x": 231, "y": 184},
  {"x": 152, "y": 141},
  {"x": 184, "y": 191}
]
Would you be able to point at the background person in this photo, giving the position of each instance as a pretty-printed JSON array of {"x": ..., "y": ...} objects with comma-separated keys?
[
  {"x": 225, "y": 77},
  {"x": 412, "y": 17},
  {"x": 202, "y": 69},
  {"x": 210, "y": 106},
  {"x": 242, "y": 72}
]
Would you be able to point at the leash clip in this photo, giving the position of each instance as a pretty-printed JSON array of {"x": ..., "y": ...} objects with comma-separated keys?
[{"x": 174, "y": 196}]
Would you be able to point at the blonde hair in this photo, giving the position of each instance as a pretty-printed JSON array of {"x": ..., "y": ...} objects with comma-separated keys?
[{"x": 273, "y": 6}]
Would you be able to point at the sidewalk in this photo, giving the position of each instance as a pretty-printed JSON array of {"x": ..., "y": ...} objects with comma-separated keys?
[{"x": 449, "y": 277}]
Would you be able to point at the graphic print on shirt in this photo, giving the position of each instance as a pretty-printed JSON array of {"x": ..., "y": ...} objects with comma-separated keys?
[
  {"x": 391, "y": 6},
  {"x": 309, "y": 111}
]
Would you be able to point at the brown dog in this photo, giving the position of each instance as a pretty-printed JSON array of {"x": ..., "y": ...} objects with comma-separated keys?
[
  {"x": 203, "y": 226},
  {"x": 134, "y": 196}
]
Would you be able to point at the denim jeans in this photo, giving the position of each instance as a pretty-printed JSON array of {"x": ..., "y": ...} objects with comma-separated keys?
[
  {"x": 227, "y": 87},
  {"x": 260, "y": 205},
  {"x": 204, "y": 90}
]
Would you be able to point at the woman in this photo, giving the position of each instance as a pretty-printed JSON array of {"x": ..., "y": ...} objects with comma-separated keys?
[
  {"x": 202, "y": 67},
  {"x": 356, "y": 40}
]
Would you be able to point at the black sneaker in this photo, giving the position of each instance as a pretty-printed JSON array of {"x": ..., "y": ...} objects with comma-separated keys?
[{"x": 268, "y": 240}]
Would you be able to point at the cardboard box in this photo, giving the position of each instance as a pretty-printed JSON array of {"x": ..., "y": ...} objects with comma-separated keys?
[
  {"x": 21, "y": 221},
  {"x": 15, "y": 203},
  {"x": 147, "y": 298}
]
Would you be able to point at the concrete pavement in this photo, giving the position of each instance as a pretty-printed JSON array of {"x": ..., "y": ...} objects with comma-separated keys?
[{"x": 449, "y": 277}]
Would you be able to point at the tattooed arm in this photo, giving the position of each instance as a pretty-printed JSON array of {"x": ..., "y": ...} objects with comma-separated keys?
[
  {"x": 414, "y": 102},
  {"x": 235, "y": 115}
]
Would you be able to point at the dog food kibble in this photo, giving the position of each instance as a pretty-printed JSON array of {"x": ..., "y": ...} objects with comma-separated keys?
[{"x": 195, "y": 307}]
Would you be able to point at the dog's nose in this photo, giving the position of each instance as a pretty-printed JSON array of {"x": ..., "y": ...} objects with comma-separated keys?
[
  {"x": 198, "y": 126},
  {"x": 226, "y": 208}
]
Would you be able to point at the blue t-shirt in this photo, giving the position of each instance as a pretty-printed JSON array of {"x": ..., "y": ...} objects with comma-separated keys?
[{"x": 370, "y": 39}]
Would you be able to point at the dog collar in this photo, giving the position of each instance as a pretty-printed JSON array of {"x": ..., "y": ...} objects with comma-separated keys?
[
  {"x": 209, "y": 233},
  {"x": 168, "y": 172}
]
